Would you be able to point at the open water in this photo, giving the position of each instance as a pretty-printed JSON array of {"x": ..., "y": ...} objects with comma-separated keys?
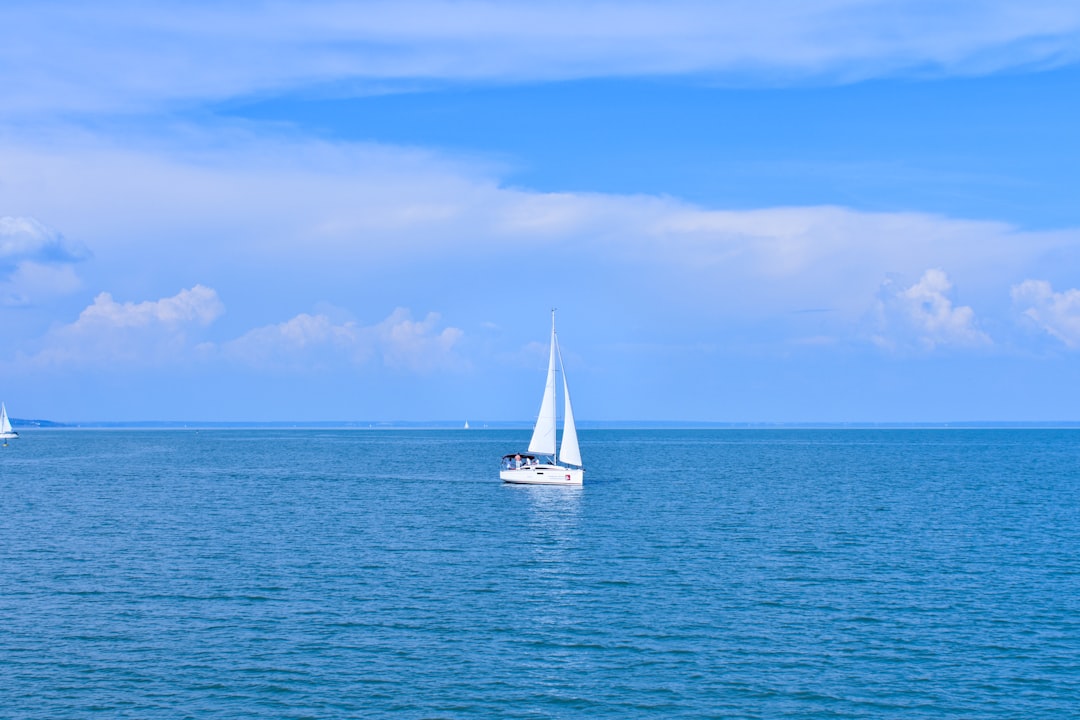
[{"x": 327, "y": 574}]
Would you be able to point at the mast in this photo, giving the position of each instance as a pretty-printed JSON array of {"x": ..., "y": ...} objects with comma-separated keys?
[{"x": 556, "y": 351}]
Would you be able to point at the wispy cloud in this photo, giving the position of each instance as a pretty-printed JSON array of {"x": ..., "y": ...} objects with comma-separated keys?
[
  {"x": 296, "y": 343},
  {"x": 130, "y": 56},
  {"x": 925, "y": 316},
  {"x": 1057, "y": 313},
  {"x": 312, "y": 341}
]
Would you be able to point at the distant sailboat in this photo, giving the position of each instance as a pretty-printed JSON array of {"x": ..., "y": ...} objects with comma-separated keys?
[
  {"x": 539, "y": 465},
  {"x": 466, "y": 424},
  {"x": 6, "y": 431}
]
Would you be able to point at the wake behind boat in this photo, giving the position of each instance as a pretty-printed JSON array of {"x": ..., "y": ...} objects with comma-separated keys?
[
  {"x": 539, "y": 465},
  {"x": 6, "y": 431}
]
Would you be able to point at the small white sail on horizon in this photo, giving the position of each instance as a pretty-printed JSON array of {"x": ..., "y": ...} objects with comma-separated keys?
[
  {"x": 6, "y": 431},
  {"x": 553, "y": 468}
]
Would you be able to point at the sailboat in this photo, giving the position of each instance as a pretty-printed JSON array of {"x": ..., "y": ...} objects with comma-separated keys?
[
  {"x": 540, "y": 465},
  {"x": 6, "y": 431}
]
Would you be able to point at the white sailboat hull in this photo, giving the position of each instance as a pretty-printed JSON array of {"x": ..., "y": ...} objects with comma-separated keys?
[
  {"x": 9, "y": 435},
  {"x": 544, "y": 475}
]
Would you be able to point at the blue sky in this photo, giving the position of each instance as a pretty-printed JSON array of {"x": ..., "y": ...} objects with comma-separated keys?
[{"x": 824, "y": 211}]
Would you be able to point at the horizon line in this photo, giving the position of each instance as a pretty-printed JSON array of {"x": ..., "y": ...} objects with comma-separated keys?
[{"x": 527, "y": 424}]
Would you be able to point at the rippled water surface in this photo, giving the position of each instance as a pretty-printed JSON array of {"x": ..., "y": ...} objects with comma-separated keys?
[{"x": 299, "y": 574}]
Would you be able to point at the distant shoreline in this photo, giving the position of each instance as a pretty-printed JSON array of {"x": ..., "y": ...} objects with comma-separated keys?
[{"x": 527, "y": 424}]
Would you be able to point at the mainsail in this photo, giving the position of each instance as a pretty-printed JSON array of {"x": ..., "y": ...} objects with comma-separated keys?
[{"x": 543, "y": 437}]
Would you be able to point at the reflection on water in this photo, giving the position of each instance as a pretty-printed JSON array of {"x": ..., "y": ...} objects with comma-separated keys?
[
  {"x": 553, "y": 541},
  {"x": 556, "y": 510},
  {"x": 554, "y": 521}
]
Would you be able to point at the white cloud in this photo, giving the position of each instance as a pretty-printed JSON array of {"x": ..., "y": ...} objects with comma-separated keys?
[
  {"x": 924, "y": 315},
  {"x": 312, "y": 341},
  {"x": 124, "y": 56},
  {"x": 24, "y": 238},
  {"x": 36, "y": 262},
  {"x": 108, "y": 333},
  {"x": 160, "y": 332},
  {"x": 1058, "y": 313},
  {"x": 199, "y": 305}
]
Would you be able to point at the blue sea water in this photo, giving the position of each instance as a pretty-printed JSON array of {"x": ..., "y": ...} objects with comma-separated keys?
[{"x": 723, "y": 573}]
